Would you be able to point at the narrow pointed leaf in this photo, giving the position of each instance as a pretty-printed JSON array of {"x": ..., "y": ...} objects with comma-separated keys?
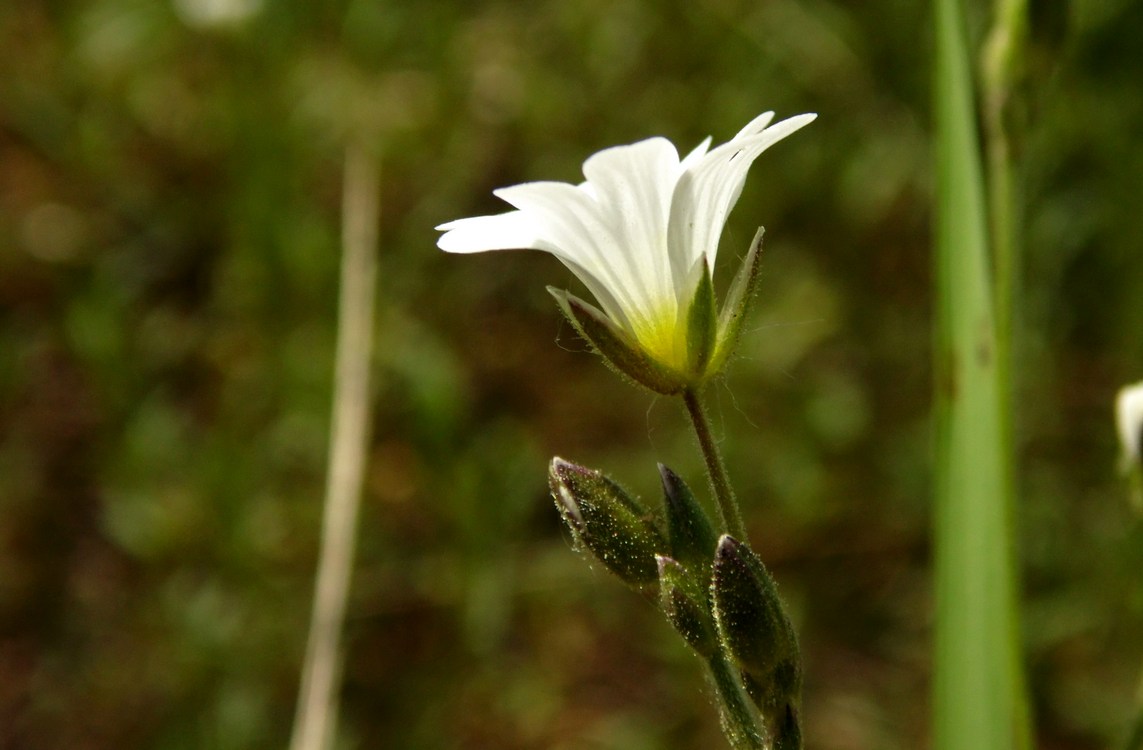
[{"x": 621, "y": 354}]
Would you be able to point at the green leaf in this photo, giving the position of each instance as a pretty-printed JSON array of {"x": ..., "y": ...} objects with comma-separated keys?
[{"x": 621, "y": 354}]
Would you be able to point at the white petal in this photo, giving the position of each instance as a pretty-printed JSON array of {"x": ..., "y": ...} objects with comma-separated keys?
[
  {"x": 707, "y": 192},
  {"x": 755, "y": 126},
  {"x": 510, "y": 231},
  {"x": 517, "y": 230},
  {"x": 633, "y": 186},
  {"x": 696, "y": 155},
  {"x": 601, "y": 292},
  {"x": 569, "y": 219}
]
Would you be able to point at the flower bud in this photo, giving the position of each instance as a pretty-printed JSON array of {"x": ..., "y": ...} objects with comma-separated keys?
[
  {"x": 684, "y": 602},
  {"x": 788, "y": 735},
  {"x": 753, "y": 625},
  {"x": 692, "y": 540},
  {"x": 607, "y": 522}
]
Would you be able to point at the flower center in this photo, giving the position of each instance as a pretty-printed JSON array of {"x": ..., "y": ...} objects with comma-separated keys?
[{"x": 663, "y": 337}]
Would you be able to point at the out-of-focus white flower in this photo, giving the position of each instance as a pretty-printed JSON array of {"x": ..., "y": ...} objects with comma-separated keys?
[
  {"x": 216, "y": 13},
  {"x": 641, "y": 233},
  {"x": 1129, "y": 420}
]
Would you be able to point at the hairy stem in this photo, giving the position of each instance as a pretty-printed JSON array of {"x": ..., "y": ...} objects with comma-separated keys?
[
  {"x": 741, "y": 722},
  {"x": 728, "y": 513}
]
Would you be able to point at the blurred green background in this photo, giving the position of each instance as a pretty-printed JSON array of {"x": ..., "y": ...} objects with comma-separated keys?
[{"x": 170, "y": 180}]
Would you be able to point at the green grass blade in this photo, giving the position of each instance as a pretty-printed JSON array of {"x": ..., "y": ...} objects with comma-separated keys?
[{"x": 978, "y": 688}]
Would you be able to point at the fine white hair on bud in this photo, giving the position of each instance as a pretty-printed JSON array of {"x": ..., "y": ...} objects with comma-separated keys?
[{"x": 1129, "y": 420}]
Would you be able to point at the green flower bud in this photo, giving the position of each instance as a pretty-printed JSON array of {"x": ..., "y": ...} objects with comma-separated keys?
[
  {"x": 607, "y": 522},
  {"x": 753, "y": 625},
  {"x": 788, "y": 735},
  {"x": 684, "y": 602},
  {"x": 689, "y": 532}
]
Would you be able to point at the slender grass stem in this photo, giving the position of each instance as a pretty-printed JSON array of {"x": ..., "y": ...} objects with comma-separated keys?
[
  {"x": 741, "y": 722},
  {"x": 979, "y": 701},
  {"x": 315, "y": 721},
  {"x": 728, "y": 513},
  {"x": 1001, "y": 69}
]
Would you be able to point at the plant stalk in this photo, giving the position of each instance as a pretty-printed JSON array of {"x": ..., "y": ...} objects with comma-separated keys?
[
  {"x": 728, "y": 512},
  {"x": 741, "y": 722},
  {"x": 979, "y": 701},
  {"x": 315, "y": 722},
  {"x": 1002, "y": 67}
]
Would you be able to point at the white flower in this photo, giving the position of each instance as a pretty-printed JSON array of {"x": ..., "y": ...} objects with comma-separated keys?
[
  {"x": 1129, "y": 419},
  {"x": 641, "y": 233}
]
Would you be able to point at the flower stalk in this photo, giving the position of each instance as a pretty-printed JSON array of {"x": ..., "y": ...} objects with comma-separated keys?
[
  {"x": 741, "y": 722},
  {"x": 728, "y": 513}
]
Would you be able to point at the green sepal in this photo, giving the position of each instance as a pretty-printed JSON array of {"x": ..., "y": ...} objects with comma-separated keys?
[
  {"x": 752, "y": 624},
  {"x": 689, "y": 532},
  {"x": 607, "y": 522},
  {"x": 702, "y": 322},
  {"x": 788, "y": 734},
  {"x": 736, "y": 307},
  {"x": 615, "y": 346},
  {"x": 684, "y": 601}
]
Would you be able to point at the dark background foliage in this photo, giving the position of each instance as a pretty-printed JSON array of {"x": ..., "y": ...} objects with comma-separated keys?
[{"x": 169, "y": 235}]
